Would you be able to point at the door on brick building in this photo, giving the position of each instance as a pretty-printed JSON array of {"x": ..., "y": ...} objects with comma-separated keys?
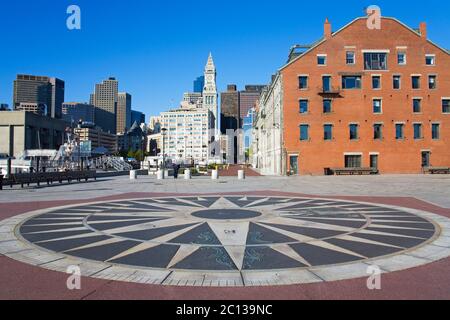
[
  {"x": 293, "y": 165},
  {"x": 326, "y": 83},
  {"x": 426, "y": 159},
  {"x": 374, "y": 161}
]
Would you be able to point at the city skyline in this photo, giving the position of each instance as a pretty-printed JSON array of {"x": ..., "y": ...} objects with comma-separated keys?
[{"x": 149, "y": 56}]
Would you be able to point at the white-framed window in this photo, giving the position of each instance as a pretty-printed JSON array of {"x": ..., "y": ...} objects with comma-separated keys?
[
  {"x": 401, "y": 58},
  {"x": 400, "y": 131},
  {"x": 378, "y": 131},
  {"x": 303, "y": 82},
  {"x": 350, "y": 57},
  {"x": 418, "y": 131},
  {"x": 304, "y": 132},
  {"x": 376, "y": 82},
  {"x": 328, "y": 132},
  {"x": 430, "y": 60},
  {"x": 446, "y": 105},
  {"x": 303, "y": 106},
  {"x": 397, "y": 82},
  {"x": 322, "y": 59},
  {"x": 435, "y": 131},
  {"x": 354, "y": 131},
  {"x": 417, "y": 105},
  {"x": 432, "y": 81},
  {"x": 375, "y": 60},
  {"x": 377, "y": 104},
  {"x": 415, "y": 79}
]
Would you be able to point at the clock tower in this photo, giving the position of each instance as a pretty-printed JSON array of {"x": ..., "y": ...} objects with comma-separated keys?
[{"x": 210, "y": 95}]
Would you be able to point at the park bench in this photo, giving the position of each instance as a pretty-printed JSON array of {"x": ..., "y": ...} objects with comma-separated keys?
[
  {"x": 354, "y": 171},
  {"x": 437, "y": 170},
  {"x": 23, "y": 179}
]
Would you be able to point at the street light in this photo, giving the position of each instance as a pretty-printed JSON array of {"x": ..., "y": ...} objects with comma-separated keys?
[{"x": 163, "y": 133}]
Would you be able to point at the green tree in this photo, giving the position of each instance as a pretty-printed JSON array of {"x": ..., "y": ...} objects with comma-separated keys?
[
  {"x": 130, "y": 154},
  {"x": 139, "y": 155}
]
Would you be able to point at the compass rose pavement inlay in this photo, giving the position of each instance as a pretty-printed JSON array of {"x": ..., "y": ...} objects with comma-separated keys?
[{"x": 223, "y": 240}]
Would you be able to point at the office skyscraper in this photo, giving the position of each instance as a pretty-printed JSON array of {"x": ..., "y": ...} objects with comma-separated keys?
[
  {"x": 229, "y": 109},
  {"x": 199, "y": 84},
  {"x": 123, "y": 112},
  {"x": 105, "y": 100},
  {"x": 248, "y": 99},
  {"x": 39, "y": 90},
  {"x": 235, "y": 105},
  {"x": 73, "y": 112},
  {"x": 137, "y": 116}
]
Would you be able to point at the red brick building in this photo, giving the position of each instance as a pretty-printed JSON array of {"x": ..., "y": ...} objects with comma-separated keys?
[{"x": 367, "y": 98}]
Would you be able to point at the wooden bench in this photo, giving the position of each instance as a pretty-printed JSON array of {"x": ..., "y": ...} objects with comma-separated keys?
[
  {"x": 23, "y": 179},
  {"x": 437, "y": 170},
  {"x": 354, "y": 171}
]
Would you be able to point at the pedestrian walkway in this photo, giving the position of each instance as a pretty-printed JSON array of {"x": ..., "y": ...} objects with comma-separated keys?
[{"x": 232, "y": 171}]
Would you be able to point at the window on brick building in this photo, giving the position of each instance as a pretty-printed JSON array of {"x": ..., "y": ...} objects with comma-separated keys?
[
  {"x": 303, "y": 82},
  {"x": 418, "y": 132},
  {"x": 377, "y": 106},
  {"x": 304, "y": 106},
  {"x": 415, "y": 82},
  {"x": 354, "y": 134},
  {"x": 446, "y": 105},
  {"x": 401, "y": 58},
  {"x": 304, "y": 132},
  {"x": 430, "y": 60},
  {"x": 436, "y": 131},
  {"x": 353, "y": 161},
  {"x": 328, "y": 132},
  {"x": 399, "y": 131},
  {"x": 417, "y": 105},
  {"x": 397, "y": 82},
  {"x": 375, "y": 61},
  {"x": 432, "y": 83},
  {"x": 350, "y": 57},
  {"x": 376, "y": 82},
  {"x": 322, "y": 60},
  {"x": 327, "y": 106},
  {"x": 351, "y": 82},
  {"x": 378, "y": 131}
]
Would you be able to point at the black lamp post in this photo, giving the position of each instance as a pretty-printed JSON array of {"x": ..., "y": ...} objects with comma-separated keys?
[{"x": 163, "y": 133}]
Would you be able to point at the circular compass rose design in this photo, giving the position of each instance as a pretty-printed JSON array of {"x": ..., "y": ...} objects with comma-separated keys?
[
  {"x": 226, "y": 240},
  {"x": 227, "y": 233}
]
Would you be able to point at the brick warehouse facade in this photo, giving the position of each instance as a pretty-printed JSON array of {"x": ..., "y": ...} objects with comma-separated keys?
[{"x": 367, "y": 98}]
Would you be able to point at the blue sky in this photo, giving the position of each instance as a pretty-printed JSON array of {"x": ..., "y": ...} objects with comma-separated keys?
[{"x": 157, "y": 48}]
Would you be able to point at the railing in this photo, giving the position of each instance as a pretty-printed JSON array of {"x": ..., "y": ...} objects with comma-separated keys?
[
  {"x": 437, "y": 170},
  {"x": 46, "y": 177},
  {"x": 352, "y": 171},
  {"x": 329, "y": 90},
  {"x": 118, "y": 164}
]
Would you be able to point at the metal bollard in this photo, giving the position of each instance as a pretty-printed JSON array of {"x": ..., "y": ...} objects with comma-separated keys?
[
  {"x": 133, "y": 175},
  {"x": 187, "y": 174},
  {"x": 215, "y": 175},
  {"x": 160, "y": 175},
  {"x": 241, "y": 175}
]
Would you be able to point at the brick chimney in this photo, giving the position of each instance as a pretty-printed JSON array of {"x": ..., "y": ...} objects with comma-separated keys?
[
  {"x": 327, "y": 29},
  {"x": 423, "y": 30}
]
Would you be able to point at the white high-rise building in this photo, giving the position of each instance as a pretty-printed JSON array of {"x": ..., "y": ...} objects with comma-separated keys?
[
  {"x": 188, "y": 134},
  {"x": 210, "y": 95}
]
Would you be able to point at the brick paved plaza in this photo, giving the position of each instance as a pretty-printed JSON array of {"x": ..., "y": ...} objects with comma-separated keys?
[{"x": 261, "y": 238}]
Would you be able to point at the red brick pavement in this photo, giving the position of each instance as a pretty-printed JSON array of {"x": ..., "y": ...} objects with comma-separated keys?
[
  {"x": 232, "y": 171},
  {"x": 22, "y": 281}
]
